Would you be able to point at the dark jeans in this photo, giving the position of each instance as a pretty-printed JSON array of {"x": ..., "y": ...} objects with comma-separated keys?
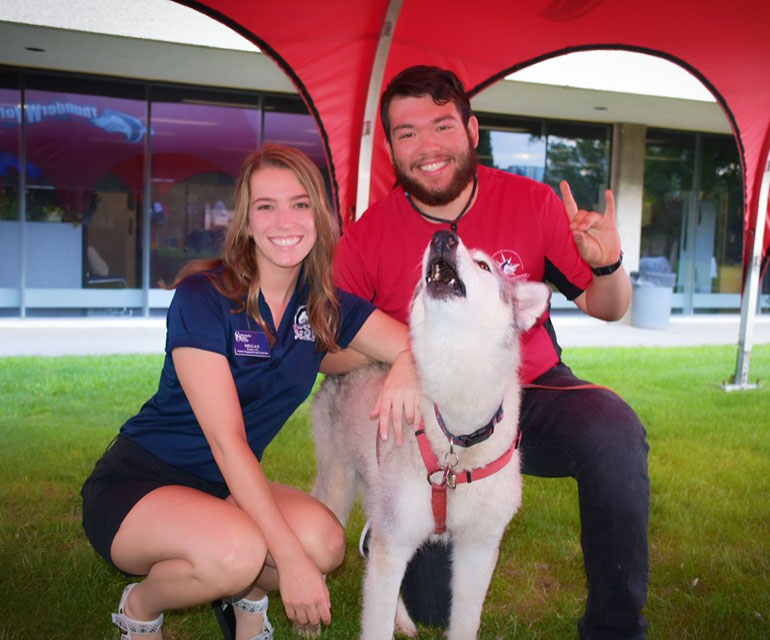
[{"x": 595, "y": 437}]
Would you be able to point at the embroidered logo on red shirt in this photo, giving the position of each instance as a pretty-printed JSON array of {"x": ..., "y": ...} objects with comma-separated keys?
[{"x": 510, "y": 263}]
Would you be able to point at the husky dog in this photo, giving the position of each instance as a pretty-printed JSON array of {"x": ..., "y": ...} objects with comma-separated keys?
[{"x": 465, "y": 484}]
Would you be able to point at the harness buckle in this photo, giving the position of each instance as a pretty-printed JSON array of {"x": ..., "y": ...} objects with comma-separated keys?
[
  {"x": 447, "y": 478},
  {"x": 441, "y": 480}
]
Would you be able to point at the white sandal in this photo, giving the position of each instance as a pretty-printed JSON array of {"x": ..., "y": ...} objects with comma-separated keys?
[
  {"x": 131, "y": 626},
  {"x": 255, "y": 606}
]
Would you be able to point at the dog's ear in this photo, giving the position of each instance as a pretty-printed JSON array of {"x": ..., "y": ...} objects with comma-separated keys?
[{"x": 530, "y": 301}]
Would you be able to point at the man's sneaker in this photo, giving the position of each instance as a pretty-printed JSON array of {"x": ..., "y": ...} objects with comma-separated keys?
[{"x": 363, "y": 541}]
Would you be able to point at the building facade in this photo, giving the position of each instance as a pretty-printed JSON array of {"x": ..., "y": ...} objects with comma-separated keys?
[{"x": 118, "y": 157}]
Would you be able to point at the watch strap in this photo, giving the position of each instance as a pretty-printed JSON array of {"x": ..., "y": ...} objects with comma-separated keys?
[{"x": 605, "y": 271}]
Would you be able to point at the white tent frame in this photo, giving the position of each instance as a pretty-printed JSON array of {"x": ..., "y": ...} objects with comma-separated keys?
[
  {"x": 366, "y": 147},
  {"x": 751, "y": 286}
]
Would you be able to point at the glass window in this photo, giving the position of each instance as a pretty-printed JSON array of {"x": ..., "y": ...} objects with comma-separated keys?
[
  {"x": 198, "y": 147},
  {"x": 84, "y": 179},
  {"x": 719, "y": 230},
  {"x": 10, "y": 226},
  {"x": 86, "y": 169},
  {"x": 580, "y": 155},
  {"x": 668, "y": 176},
  {"x": 700, "y": 234},
  {"x": 515, "y": 147},
  {"x": 288, "y": 122},
  {"x": 549, "y": 152}
]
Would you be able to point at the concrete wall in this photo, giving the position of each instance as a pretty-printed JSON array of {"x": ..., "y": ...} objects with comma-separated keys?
[{"x": 627, "y": 183}]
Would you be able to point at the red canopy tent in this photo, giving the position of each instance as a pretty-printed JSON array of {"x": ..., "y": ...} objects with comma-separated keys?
[{"x": 339, "y": 54}]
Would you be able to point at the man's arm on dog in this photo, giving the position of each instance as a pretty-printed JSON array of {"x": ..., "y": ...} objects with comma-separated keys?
[{"x": 386, "y": 340}]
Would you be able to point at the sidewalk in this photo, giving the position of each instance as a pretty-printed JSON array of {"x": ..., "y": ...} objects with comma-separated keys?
[
  {"x": 101, "y": 336},
  {"x": 683, "y": 331}
]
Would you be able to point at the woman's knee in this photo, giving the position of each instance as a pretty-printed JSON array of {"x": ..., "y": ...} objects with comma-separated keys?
[
  {"x": 236, "y": 559},
  {"x": 324, "y": 541},
  {"x": 316, "y": 527}
]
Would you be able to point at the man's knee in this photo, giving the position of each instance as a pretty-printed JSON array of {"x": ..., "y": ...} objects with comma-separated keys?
[{"x": 612, "y": 428}]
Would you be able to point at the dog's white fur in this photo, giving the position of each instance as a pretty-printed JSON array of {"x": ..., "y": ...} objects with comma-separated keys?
[{"x": 466, "y": 349}]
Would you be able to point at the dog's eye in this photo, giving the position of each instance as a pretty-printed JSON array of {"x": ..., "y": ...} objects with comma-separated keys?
[{"x": 483, "y": 265}]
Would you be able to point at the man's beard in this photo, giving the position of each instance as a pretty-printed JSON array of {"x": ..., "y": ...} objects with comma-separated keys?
[{"x": 466, "y": 169}]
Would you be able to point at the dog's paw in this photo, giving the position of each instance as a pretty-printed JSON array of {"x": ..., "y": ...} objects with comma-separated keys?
[{"x": 404, "y": 625}]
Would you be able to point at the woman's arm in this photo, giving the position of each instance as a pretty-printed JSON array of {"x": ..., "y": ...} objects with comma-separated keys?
[
  {"x": 208, "y": 384},
  {"x": 342, "y": 361},
  {"x": 387, "y": 340}
]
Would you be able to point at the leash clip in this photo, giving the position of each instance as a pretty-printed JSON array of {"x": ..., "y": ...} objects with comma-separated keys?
[
  {"x": 450, "y": 462},
  {"x": 451, "y": 459},
  {"x": 450, "y": 478}
]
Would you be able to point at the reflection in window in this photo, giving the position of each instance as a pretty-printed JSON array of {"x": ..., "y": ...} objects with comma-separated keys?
[
  {"x": 719, "y": 229},
  {"x": 9, "y": 153},
  {"x": 550, "y": 152},
  {"x": 515, "y": 152},
  {"x": 668, "y": 174},
  {"x": 715, "y": 224},
  {"x": 579, "y": 154},
  {"x": 288, "y": 122},
  {"x": 87, "y": 173},
  {"x": 84, "y": 172},
  {"x": 513, "y": 146},
  {"x": 10, "y": 227},
  {"x": 197, "y": 151}
]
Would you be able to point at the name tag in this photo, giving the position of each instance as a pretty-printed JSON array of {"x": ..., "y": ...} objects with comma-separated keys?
[{"x": 251, "y": 343}]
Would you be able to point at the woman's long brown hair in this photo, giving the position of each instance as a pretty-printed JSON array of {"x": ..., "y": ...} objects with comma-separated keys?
[{"x": 239, "y": 277}]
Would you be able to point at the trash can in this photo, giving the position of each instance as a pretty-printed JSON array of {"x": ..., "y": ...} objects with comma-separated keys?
[{"x": 653, "y": 286}]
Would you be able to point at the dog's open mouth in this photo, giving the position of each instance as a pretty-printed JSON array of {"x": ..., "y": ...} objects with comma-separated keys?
[{"x": 442, "y": 280}]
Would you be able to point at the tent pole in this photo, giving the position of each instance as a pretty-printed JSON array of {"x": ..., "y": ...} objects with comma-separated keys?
[
  {"x": 751, "y": 293},
  {"x": 372, "y": 103}
]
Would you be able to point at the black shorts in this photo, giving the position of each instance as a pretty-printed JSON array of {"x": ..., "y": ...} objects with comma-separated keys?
[{"x": 124, "y": 475}]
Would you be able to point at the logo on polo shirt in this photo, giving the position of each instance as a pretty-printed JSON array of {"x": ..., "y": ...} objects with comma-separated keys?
[
  {"x": 302, "y": 328},
  {"x": 510, "y": 264}
]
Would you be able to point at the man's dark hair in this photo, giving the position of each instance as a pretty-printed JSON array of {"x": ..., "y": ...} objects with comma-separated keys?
[{"x": 421, "y": 80}]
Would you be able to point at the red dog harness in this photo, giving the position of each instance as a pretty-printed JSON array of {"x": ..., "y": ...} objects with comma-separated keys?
[
  {"x": 442, "y": 476},
  {"x": 445, "y": 475}
]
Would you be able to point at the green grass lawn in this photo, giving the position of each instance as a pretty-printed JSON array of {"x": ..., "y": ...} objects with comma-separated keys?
[{"x": 709, "y": 525}]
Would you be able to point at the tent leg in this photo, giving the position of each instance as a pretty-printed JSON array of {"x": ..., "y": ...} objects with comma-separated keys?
[
  {"x": 372, "y": 103},
  {"x": 751, "y": 294}
]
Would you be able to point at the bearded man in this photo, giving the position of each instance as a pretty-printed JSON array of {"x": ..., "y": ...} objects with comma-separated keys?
[{"x": 589, "y": 434}]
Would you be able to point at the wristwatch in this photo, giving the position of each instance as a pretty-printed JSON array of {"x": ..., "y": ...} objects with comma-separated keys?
[{"x": 605, "y": 271}]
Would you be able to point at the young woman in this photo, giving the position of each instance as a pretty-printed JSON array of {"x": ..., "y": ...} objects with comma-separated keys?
[{"x": 180, "y": 496}]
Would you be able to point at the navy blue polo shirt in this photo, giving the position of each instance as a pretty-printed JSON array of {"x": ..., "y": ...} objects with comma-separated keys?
[{"x": 269, "y": 387}]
